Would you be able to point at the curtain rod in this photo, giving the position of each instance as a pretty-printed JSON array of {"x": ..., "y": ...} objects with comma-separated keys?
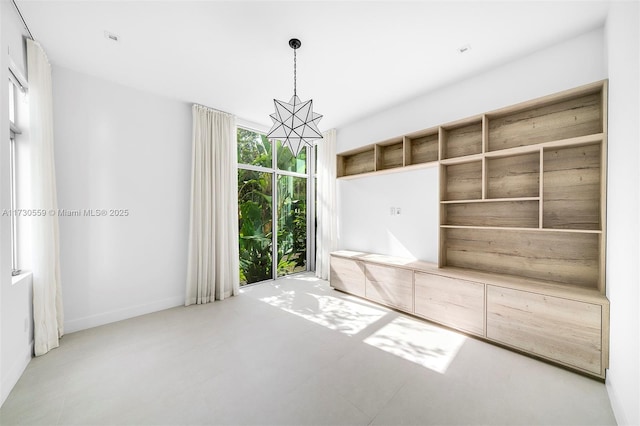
[{"x": 22, "y": 17}]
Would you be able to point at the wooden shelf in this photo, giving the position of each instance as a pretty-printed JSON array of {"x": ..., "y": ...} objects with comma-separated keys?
[
  {"x": 422, "y": 147},
  {"x": 534, "y": 203},
  {"x": 565, "y": 258},
  {"x": 516, "y": 214},
  {"x": 539, "y": 166},
  {"x": 462, "y": 181},
  {"x": 548, "y": 121},
  {"x": 572, "y": 187},
  {"x": 514, "y": 176},
  {"x": 509, "y": 228},
  {"x": 461, "y": 160},
  {"x": 461, "y": 139},
  {"x": 490, "y": 200},
  {"x": 356, "y": 162},
  {"x": 389, "y": 154},
  {"x": 577, "y": 141}
]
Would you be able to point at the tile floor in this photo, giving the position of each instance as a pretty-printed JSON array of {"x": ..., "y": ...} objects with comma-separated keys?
[{"x": 294, "y": 352}]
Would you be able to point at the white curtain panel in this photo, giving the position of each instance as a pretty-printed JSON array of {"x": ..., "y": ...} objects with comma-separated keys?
[
  {"x": 213, "y": 265},
  {"x": 326, "y": 203},
  {"x": 47, "y": 291}
]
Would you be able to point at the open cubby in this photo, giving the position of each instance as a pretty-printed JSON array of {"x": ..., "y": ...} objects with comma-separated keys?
[
  {"x": 514, "y": 176},
  {"x": 463, "y": 139},
  {"x": 516, "y": 214},
  {"x": 356, "y": 162},
  {"x": 462, "y": 181},
  {"x": 550, "y": 121},
  {"x": 563, "y": 257},
  {"x": 421, "y": 148},
  {"x": 389, "y": 154},
  {"x": 572, "y": 187}
]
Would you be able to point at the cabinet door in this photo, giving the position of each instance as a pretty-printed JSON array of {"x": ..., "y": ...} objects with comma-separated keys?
[
  {"x": 562, "y": 330},
  {"x": 390, "y": 286},
  {"x": 449, "y": 301},
  {"x": 347, "y": 275}
]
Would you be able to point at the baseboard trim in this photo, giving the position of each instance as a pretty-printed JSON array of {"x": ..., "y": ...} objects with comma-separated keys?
[
  {"x": 96, "y": 320},
  {"x": 15, "y": 372}
]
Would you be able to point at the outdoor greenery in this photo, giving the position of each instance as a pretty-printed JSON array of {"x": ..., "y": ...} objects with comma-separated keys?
[{"x": 255, "y": 201}]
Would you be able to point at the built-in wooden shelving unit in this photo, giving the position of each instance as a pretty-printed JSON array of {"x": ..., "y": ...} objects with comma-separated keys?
[{"x": 522, "y": 199}]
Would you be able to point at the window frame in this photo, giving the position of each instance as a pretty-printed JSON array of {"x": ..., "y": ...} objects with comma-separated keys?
[
  {"x": 275, "y": 172},
  {"x": 15, "y": 86}
]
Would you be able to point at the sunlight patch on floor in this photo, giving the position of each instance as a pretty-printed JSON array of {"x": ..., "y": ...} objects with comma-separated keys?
[
  {"x": 334, "y": 313},
  {"x": 419, "y": 342}
]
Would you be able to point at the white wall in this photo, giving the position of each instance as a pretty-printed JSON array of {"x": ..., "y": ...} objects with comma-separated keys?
[
  {"x": 364, "y": 222},
  {"x": 623, "y": 210},
  {"x": 119, "y": 148},
  {"x": 16, "y": 319}
]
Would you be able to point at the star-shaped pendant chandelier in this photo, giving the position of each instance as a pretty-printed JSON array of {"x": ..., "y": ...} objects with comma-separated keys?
[{"x": 294, "y": 122}]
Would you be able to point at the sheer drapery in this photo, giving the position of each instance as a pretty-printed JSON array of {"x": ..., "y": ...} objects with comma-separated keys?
[
  {"x": 326, "y": 203},
  {"x": 213, "y": 265},
  {"x": 45, "y": 263}
]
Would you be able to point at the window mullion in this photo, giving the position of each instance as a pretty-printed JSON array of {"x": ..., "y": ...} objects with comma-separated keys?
[{"x": 274, "y": 210}]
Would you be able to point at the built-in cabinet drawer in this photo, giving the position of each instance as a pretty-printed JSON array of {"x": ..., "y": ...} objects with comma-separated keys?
[
  {"x": 567, "y": 331},
  {"x": 390, "y": 286},
  {"x": 450, "y": 301},
  {"x": 347, "y": 275}
]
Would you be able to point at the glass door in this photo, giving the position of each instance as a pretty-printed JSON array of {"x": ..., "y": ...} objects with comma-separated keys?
[{"x": 273, "y": 188}]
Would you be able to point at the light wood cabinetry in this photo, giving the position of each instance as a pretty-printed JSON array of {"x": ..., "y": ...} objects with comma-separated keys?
[
  {"x": 566, "y": 115},
  {"x": 565, "y": 258},
  {"x": 348, "y": 275},
  {"x": 421, "y": 147},
  {"x": 390, "y": 154},
  {"x": 388, "y": 285},
  {"x": 450, "y": 301},
  {"x": 464, "y": 181},
  {"x": 532, "y": 202},
  {"x": 567, "y": 330},
  {"x": 462, "y": 138},
  {"x": 522, "y": 222},
  {"x": 567, "y": 326}
]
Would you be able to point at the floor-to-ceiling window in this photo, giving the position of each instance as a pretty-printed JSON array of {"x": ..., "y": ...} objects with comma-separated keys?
[{"x": 273, "y": 189}]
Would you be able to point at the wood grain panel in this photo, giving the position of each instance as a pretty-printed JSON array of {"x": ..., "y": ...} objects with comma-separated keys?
[
  {"x": 347, "y": 275},
  {"x": 463, "y": 140},
  {"x": 518, "y": 214},
  {"x": 424, "y": 149},
  {"x": 516, "y": 176},
  {"x": 560, "y": 120},
  {"x": 572, "y": 187},
  {"x": 361, "y": 162},
  {"x": 390, "y": 286},
  {"x": 453, "y": 302},
  {"x": 563, "y": 330},
  {"x": 390, "y": 156},
  {"x": 463, "y": 181},
  {"x": 563, "y": 257}
]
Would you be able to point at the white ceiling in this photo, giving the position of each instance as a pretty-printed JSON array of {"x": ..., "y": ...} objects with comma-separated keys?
[{"x": 356, "y": 57}]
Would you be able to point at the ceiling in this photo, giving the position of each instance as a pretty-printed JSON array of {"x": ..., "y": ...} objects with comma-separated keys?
[{"x": 356, "y": 58}]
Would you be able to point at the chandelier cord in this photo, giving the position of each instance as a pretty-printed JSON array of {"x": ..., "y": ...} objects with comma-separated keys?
[{"x": 294, "y": 72}]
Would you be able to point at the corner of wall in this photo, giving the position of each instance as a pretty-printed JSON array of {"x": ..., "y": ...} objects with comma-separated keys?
[
  {"x": 116, "y": 315},
  {"x": 16, "y": 320},
  {"x": 622, "y": 53}
]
